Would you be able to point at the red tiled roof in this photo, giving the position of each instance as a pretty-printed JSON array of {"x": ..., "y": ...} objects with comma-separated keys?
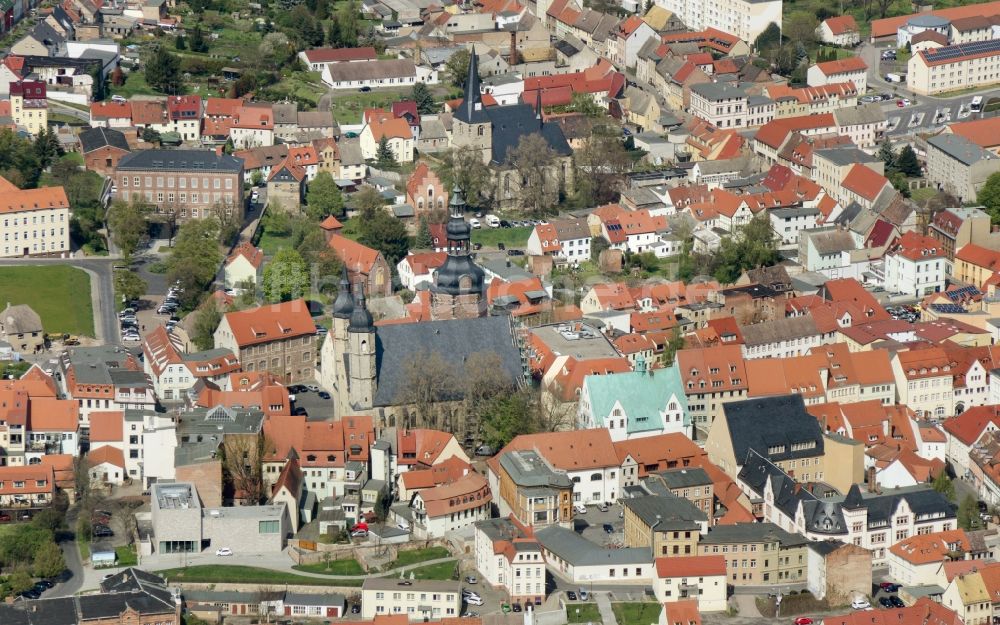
[
  {"x": 690, "y": 566},
  {"x": 979, "y": 256},
  {"x": 843, "y": 66},
  {"x": 357, "y": 257},
  {"x": 107, "y": 427},
  {"x": 864, "y": 181},
  {"x": 915, "y": 246},
  {"x": 274, "y": 322},
  {"x": 842, "y": 24},
  {"x": 106, "y": 454},
  {"x": 254, "y": 256}
]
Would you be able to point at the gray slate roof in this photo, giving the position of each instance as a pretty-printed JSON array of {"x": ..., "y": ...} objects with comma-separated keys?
[
  {"x": 578, "y": 551},
  {"x": 20, "y": 319},
  {"x": 961, "y": 149},
  {"x": 96, "y": 138},
  {"x": 666, "y": 511},
  {"x": 787, "y": 423},
  {"x": 454, "y": 340},
  {"x": 182, "y": 160}
]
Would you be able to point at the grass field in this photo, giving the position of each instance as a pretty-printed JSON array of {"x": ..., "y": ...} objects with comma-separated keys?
[
  {"x": 60, "y": 294},
  {"x": 271, "y": 243},
  {"x": 440, "y": 571},
  {"x": 221, "y": 574},
  {"x": 135, "y": 84},
  {"x": 335, "y": 567},
  {"x": 412, "y": 556},
  {"x": 511, "y": 237},
  {"x": 636, "y": 613},
  {"x": 348, "y": 105},
  {"x": 126, "y": 556},
  {"x": 582, "y": 613}
]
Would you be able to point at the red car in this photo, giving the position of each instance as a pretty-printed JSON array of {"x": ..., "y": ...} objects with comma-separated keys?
[
  {"x": 803, "y": 620},
  {"x": 4, "y": 517},
  {"x": 889, "y": 586}
]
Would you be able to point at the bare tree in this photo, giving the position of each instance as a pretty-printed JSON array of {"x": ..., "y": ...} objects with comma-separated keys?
[
  {"x": 553, "y": 416},
  {"x": 533, "y": 160},
  {"x": 428, "y": 381},
  {"x": 481, "y": 382},
  {"x": 241, "y": 464}
]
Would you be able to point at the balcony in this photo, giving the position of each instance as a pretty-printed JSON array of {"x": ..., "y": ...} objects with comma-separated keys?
[{"x": 48, "y": 447}]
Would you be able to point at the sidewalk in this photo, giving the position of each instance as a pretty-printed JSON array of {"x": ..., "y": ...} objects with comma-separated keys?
[{"x": 604, "y": 606}]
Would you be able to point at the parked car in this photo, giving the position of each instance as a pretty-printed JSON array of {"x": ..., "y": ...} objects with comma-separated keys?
[
  {"x": 603, "y": 507},
  {"x": 884, "y": 602},
  {"x": 224, "y": 551},
  {"x": 103, "y": 531},
  {"x": 583, "y": 595},
  {"x": 579, "y": 508},
  {"x": 475, "y": 223},
  {"x": 474, "y": 601},
  {"x": 516, "y": 607},
  {"x": 4, "y": 517},
  {"x": 324, "y": 395},
  {"x": 355, "y": 609},
  {"x": 313, "y": 388},
  {"x": 896, "y": 602},
  {"x": 471, "y": 579},
  {"x": 359, "y": 534},
  {"x": 803, "y": 620},
  {"x": 609, "y": 529},
  {"x": 860, "y": 604},
  {"x": 889, "y": 586},
  {"x": 571, "y": 595}
]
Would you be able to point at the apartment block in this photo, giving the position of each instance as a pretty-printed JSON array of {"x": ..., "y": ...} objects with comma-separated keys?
[
  {"x": 35, "y": 222},
  {"x": 746, "y": 19},
  {"x": 950, "y": 68},
  {"x": 420, "y": 600}
]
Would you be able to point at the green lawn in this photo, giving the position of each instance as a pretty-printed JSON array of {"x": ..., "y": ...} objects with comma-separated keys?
[
  {"x": 582, "y": 613},
  {"x": 922, "y": 195},
  {"x": 84, "y": 544},
  {"x": 347, "y": 106},
  {"x": 222, "y": 573},
  {"x": 335, "y": 567},
  {"x": 126, "y": 556},
  {"x": 271, "y": 243},
  {"x": 636, "y": 613},
  {"x": 440, "y": 571},
  {"x": 135, "y": 84},
  {"x": 511, "y": 237},
  {"x": 60, "y": 294},
  {"x": 412, "y": 556}
]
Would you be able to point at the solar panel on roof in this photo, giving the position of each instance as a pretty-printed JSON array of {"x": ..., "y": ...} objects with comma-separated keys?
[
  {"x": 947, "y": 308},
  {"x": 965, "y": 291}
]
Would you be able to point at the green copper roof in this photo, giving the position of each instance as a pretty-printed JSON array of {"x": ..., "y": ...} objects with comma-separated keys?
[{"x": 641, "y": 393}]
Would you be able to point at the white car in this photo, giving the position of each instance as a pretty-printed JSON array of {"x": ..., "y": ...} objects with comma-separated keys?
[
  {"x": 475, "y": 223},
  {"x": 860, "y": 604},
  {"x": 224, "y": 551},
  {"x": 579, "y": 508},
  {"x": 403, "y": 525},
  {"x": 474, "y": 601}
]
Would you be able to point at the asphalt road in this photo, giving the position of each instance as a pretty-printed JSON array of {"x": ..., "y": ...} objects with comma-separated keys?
[
  {"x": 102, "y": 291},
  {"x": 924, "y": 113}
]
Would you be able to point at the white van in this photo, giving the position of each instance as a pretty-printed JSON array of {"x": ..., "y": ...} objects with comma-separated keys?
[
  {"x": 493, "y": 221},
  {"x": 475, "y": 223}
]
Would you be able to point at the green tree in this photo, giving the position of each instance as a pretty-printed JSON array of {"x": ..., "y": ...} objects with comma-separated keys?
[
  {"x": 506, "y": 416},
  {"x": 457, "y": 68},
  {"x": 49, "y": 561},
  {"x": 207, "y": 320},
  {"x": 348, "y": 25},
  {"x": 324, "y": 197},
  {"x": 47, "y": 148},
  {"x": 675, "y": 344},
  {"x": 906, "y": 162},
  {"x": 423, "y": 240},
  {"x": 422, "y": 96},
  {"x": 464, "y": 167},
  {"x": 584, "y": 104},
  {"x": 19, "y": 582},
  {"x": 899, "y": 182},
  {"x": 128, "y": 225},
  {"x": 324, "y": 264},
  {"x": 286, "y": 277},
  {"x": 533, "y": 159},
  {"x": 768, "y": 39},
  {"x": 968, "y": 514},
  {"x": 887, "y": 155},
  {"x": 752, "y": 245},
  {"x": 18, "y": 160},
  {"x": 942, "y": 484},
  {"x": 195, "y": 259},
  {"x": 198, "y": 41},
  {"x": 163, "y": 71},
  {"x": 989, "y": 197},
  {"x": 800, "y": 28},
  {"x": 385, "y": 233},
  {"x": 129, "y": 285},
  {"x": 180, "y": 43},
  {"x": 384, "y": 155}
]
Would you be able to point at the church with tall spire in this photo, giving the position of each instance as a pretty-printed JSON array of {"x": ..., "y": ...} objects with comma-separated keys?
[{"x": 494, "y": 131}]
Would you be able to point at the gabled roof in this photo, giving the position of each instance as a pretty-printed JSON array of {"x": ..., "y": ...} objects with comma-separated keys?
[
  {"x": 357, "y": 257},
  {"x": 274, "y": 322},
  {"x": 842, "y": 24},
  {"x": 340, "y": 55},
  {"x": 850, "y": 64},
  {"x": 106, "y": 454},
  {"x": 865, "y": 182},
  {"x": 570, "y": 451},
  {"x": 253, "y": 255}
]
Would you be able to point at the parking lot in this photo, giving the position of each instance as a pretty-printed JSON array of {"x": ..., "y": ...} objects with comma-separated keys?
[
  {"x": 317, "y": 408},
  {"x": 592, "y": 525}
]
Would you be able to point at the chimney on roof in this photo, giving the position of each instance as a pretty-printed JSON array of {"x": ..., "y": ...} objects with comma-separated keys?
[
  {"x": 513, "y": 48},
  {"x": 872, "y": 480}
]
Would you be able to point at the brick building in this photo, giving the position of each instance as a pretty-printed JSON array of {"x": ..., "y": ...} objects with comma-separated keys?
[
  {"x": 192, "y": 183},
  {"x": 102, "y": 149},
  {"x": 279, "y": 339}
]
